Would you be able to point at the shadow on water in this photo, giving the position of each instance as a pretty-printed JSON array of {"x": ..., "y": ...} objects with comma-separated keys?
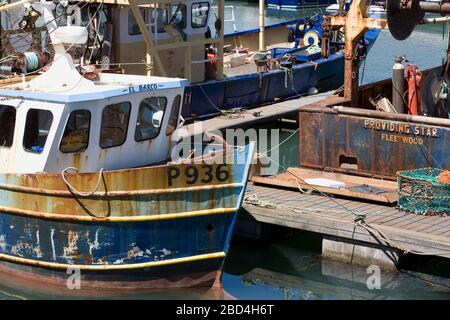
[{"x": 292, "y": 268}]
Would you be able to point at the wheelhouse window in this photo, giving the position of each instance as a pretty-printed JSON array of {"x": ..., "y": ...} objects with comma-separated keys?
[
  {"x": 173, "y": 119},
  {"x": 113, "y": 131},
  {"x": 179, "y": 13},
  {"x": 158, "y": 17},
  {"x": 37, "y": 127},
  {"x": 7, "y": 124},
  {"x": 76, "y": 133},
  {"x": 133, "y": 27},
  {"x": 200, "y": 11},
  {"x": 150, "y": 117}
]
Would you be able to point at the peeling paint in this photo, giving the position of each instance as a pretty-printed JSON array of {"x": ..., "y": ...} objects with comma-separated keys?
[
  {"x": 135, "y": 252},
  {"x": 165, "y": 252},
  {"x": 2, "y": 242},
  {"x": 52, "y": 234},
  {"x": 37, "y": 249},
  {"x": 71, "y": 251},
  {"x": 95, "y": 244}
]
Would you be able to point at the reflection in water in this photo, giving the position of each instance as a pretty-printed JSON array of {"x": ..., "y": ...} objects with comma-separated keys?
[
  {"x": 284, "y": 269},
  {"x": 172, "y": 294}
]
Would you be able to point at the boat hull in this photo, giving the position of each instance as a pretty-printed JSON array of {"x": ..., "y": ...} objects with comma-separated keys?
[
  {"x": 252, "y": 90},
  {"x": 49, "y": 282},
  {"x": 53, "y": 251}
]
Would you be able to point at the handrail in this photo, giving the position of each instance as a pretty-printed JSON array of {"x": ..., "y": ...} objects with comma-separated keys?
[{"x": 232, "y": 20}]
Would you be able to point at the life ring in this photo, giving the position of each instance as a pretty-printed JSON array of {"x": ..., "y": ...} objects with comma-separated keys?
[{"x": 311, "y": 38}]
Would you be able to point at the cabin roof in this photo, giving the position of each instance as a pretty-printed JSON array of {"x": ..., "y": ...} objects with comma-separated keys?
[{"x": 107, "y": 86}]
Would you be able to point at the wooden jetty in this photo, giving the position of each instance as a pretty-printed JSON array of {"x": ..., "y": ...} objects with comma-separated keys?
[{"x": 333, "y": 218}]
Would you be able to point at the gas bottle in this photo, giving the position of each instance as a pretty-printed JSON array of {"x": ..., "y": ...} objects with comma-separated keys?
[
  {"x": 398, "y": 85},
  {"x": 414, "y": 78}
]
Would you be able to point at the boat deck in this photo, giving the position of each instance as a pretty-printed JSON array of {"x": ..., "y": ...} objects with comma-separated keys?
[
  {"x": 244, "y": 69},
  {"x": 333, "y": 216},
  {"x": 250, "y": 66}
]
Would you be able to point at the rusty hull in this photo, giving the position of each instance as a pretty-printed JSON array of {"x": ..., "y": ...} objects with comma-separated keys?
[{"x": 371, "y": 143}]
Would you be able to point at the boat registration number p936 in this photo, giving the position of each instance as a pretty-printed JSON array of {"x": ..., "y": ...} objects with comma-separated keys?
[{"x": 195, "y": 174}]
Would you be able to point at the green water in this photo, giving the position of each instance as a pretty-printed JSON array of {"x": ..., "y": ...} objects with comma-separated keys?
[{"x": 289, "y": 266}]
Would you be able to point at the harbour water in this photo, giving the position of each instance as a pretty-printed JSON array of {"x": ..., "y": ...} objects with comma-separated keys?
[{"x": 289, "y": 266}]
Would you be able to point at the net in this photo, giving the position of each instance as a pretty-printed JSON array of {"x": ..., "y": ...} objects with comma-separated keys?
[{"x": 422, "y": 192}]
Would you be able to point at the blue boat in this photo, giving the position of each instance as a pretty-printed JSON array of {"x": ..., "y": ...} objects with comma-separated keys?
[
  {"x": 296, "y": 4},
  {"x": 153, "y": 232},
  {"x": 244, "y": 89}
]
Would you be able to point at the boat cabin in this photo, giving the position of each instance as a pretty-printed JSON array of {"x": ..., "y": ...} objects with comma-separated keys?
[
  {"x": 120, "y": 121},
  {"x": 169, "y": 26}
]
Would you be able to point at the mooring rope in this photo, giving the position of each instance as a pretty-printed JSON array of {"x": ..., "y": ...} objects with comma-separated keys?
[{"x": 79, "y": 193}]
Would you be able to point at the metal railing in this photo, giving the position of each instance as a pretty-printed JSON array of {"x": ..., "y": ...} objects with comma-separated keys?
[{"x": 232, "y": 20}]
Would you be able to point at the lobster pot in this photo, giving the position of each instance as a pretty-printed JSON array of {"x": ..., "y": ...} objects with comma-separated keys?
[{"x": 421, "y": 192}]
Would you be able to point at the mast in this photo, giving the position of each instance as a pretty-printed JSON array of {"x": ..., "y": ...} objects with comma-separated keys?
[{"x": 262, "y": 42}]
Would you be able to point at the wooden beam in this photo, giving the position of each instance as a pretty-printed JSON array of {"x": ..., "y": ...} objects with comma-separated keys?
[
  {"x": 152, "y": 54},
  {"x": 193, "y": 43},
  {"x": 262, "y": 39},
  {"x": 220, "y": 43}
]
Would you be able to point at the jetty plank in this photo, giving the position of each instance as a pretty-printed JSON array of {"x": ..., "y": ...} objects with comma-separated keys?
[{"x": 327, "y": 218}]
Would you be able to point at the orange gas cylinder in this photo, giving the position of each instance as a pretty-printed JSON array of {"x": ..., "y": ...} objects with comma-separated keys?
[
  {"x": 414, "y": 78},
  {"x": 213, "y": 58},
  {"x": 211, "y": 66}
]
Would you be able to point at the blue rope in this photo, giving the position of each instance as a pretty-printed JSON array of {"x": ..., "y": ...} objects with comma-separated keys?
[{"x": 32, "y": 61}]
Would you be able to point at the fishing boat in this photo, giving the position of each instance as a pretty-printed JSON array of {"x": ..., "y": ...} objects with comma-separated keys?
[
  {"x": 401, "y": 123},
  {"x": 374, "y": 7},
  {"x": 185, "y": 38},
  {"x": 92, "y": 199},
  {"x": 297, "y": 4},
  {"x": 358, "y": 142}
]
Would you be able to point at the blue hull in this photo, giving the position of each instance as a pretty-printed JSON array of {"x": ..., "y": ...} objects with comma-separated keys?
[
  {"x": 111, "y": 244},
  {"x": 176, "y": 235},
  {"x": 299, "y": 3},
  {"x": 207, "y": 99}
]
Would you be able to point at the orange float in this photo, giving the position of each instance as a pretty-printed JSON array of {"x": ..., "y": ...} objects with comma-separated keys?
[{"x": 444, "y": 177}]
